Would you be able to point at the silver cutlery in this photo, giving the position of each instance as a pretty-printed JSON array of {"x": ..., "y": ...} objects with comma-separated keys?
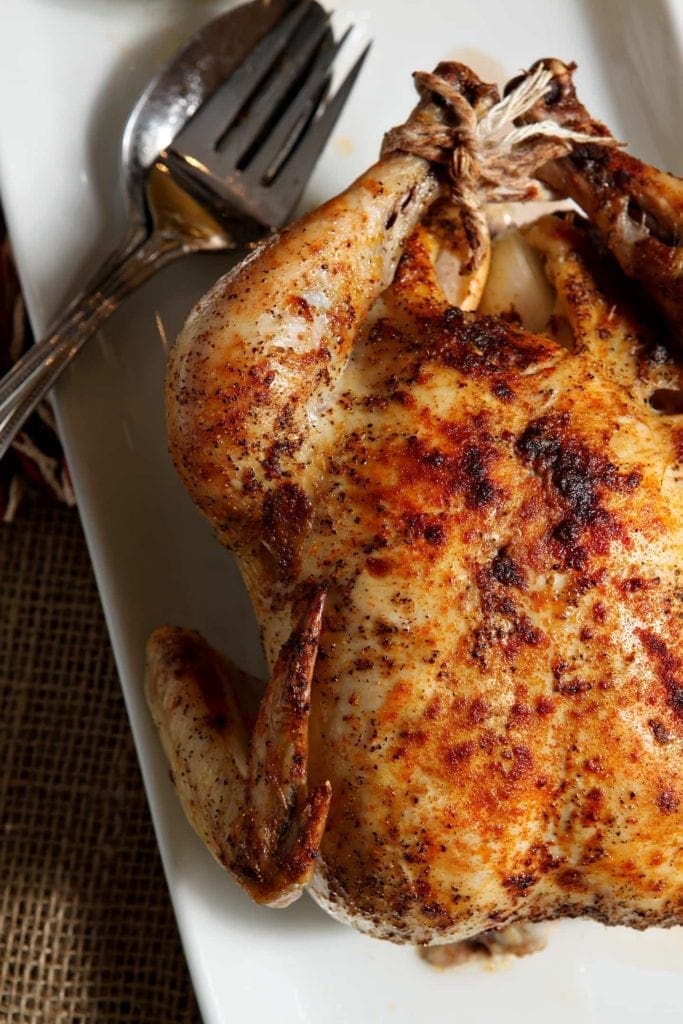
[{"x": 216, "y": 152}]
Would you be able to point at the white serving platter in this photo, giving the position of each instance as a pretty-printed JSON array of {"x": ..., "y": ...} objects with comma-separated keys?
[{"x": 70, "y": 71}]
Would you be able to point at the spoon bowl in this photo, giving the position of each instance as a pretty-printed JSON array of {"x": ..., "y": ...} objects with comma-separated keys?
[
  {"x": 179, "y": 89},
  {"x": 175, "y": 204}
]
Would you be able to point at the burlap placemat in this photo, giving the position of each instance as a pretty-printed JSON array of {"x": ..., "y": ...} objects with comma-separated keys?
[{"x": 86, "y": 929}]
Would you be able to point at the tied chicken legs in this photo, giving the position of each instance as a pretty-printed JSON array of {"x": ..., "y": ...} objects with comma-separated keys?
[{"x": 462, "y": 541}]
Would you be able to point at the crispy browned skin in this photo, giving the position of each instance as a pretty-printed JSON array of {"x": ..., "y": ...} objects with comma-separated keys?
[
  {"x": 497, "y": 524},
  {"x": 637, "y": 208}
]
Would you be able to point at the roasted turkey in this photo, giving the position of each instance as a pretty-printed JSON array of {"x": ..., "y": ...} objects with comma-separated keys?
[{"x": 462, "y": 535}]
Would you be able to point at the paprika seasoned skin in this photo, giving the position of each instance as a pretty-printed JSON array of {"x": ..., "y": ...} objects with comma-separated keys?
[{"x": 463, "y": 545}]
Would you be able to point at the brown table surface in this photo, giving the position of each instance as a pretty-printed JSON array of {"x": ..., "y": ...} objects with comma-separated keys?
[{"x": 86, "y": 928}]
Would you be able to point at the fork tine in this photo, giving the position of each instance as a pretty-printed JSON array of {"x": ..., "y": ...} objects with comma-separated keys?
[
  {"x": 267, "y": 102},
  {"x": 220, "y": 109},
  {"x": 267, "y": 197},
  {"x": 296, "y": 171},
  {"x": 274, "y": 150}
]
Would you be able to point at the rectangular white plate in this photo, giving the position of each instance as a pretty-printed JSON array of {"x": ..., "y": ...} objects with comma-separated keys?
[{"x": 69, "y": 73}]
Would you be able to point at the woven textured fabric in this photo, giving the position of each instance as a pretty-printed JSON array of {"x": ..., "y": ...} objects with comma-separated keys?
[
  {"x": 36, "y": 453},
  {"x": 86, "y": 929}
]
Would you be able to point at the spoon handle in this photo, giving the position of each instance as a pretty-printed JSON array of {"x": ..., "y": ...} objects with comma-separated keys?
[{"x": 29, "y": 380}]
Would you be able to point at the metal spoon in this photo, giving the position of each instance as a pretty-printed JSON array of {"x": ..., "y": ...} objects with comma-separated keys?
[{"x": 157, "y": 231}]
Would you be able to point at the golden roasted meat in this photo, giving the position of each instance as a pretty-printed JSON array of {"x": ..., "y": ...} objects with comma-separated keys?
[
  {"x": 637, "y": 209},
  {"x": 463, "y": 544}
]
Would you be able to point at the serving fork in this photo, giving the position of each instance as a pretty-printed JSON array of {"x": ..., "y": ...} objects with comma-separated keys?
[{"x": 234, "y": 171}]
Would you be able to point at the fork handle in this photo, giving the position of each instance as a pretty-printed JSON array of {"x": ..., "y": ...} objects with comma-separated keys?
[{"x": 29, "y": 380}]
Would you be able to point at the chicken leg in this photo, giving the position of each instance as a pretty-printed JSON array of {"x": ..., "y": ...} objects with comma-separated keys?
[{"x": 636, "y": 208}]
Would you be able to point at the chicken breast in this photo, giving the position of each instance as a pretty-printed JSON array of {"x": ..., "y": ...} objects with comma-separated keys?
[{"x": 463, "y": 544}]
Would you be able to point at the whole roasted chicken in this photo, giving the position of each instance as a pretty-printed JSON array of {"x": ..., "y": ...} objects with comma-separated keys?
[{"x": 461, "y": 531}]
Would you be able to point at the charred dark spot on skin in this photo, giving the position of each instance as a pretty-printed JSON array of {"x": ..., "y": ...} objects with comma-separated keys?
[
  {"x": 479, "y": 489},
  {"x": 635, "y": 584},
  {"x": 668, "y": 801},
  {"x": 285, "y": 519},
  {"x": 277, "y": 456},
  {"x": 592, "y": 806},
  {"x": 436, "y": 910},
  {"x": 376, "y": 543},
  {"x": 520, "y": 883},
  {"x": 599, "y": 612},
  {"x": 465, "y": 471},
  {"x": 479, "y": 346},
  {"x": 668, "y": 667},
  {"x": 505, "y": 628},
  {"x": 566, "y": 683},
  {"x": 457, "y": 755},
  {"x": 575, "y": 471},
  {"x": 519, "y": 763},
  {"x": 594, "y": 765},
  {"x": 260, "y": 377},
  {"x": 387, "y": 392},
  {"x": 578, "y": 476},
  {"x": 505, "y": 631},
  {"x": 250, "y": 484},
  {"x": 476, "y": 711},
  {"x": 659, "y": 731},
  {"x": 503, "y": 391},
  {"x": 430, "y": 529},
  {"x": 506, "y": 571},
  {"x": 520, "y": 716},
  {"x": 545, "y": 706}
]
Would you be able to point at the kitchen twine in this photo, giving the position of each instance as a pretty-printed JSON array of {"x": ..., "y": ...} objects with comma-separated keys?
[{"x": 489, "y": 157}]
